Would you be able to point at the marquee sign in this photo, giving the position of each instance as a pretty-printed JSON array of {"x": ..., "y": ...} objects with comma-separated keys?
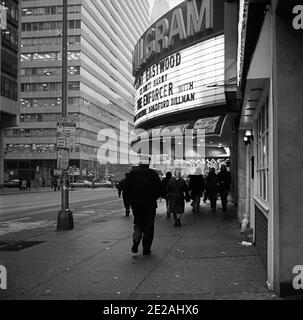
[
  {"x": 191, "y": 21},
  {"x": 184, "y": 80}
]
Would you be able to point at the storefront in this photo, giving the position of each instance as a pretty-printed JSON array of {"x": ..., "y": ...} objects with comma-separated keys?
[{"x": 269, "y": 60}]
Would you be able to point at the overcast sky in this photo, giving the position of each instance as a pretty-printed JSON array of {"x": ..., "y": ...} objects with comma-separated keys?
[{"x": 172, "y": 3}]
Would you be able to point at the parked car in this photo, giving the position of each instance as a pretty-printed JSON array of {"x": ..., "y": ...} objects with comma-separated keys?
[
  {"x": 12, "y": 184},
  {"x": 81, "y": 184}
]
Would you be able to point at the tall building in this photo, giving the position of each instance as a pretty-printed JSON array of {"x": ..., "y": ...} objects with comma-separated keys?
[
  {"x": 101, "y": 37},
  {"x": 160, "y": 7},
  {"x": 9, "y": 53}
]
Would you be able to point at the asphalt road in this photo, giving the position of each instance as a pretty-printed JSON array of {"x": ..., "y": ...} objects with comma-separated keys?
[{"x": 20, "y": 212}]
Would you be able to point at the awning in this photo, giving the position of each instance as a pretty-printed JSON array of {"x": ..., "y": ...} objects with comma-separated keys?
[{"x": 213, "y": 126}]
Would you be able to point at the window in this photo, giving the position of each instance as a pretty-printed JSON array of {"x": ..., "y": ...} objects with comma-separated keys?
[{"x": 262, "y": 136}]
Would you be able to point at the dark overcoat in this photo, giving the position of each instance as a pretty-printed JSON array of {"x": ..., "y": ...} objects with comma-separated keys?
[{"x": 177, "y": 192}]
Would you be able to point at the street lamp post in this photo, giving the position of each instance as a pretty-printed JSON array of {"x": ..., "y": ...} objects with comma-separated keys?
[{"x": 65, "y": 216}]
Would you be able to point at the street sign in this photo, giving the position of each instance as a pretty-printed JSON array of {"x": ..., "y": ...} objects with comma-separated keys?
[
  {"x": 66, "y": 134},
  {"x": 3, "y": 17},
  {"x": 62, "y": 158}
]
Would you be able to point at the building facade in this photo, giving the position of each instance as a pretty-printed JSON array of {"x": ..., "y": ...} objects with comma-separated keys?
[
  {"x": 101, "y": 36},
  {"x": 270, "y": 175},
  {"x": 181, "y": 98},
  {"x": 9, "y": 70}
]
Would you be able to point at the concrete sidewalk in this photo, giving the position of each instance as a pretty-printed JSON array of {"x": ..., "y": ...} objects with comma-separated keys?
[
  {"x": 201, "y": 260},
  {"x": 9, "y": 191}
]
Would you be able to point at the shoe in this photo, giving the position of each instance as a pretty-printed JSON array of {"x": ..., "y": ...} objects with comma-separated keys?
[
  {"x": 146, "y": 252},
  {"x": 176, "y": 224},
  {"x": 135, "y": 247},
  {"x": 179, "y": 223}
]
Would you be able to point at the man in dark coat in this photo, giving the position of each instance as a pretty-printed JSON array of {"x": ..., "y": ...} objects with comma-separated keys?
[
  {"x": 164, "y": 184},
  {"x": 211, "y": 188},
  {"x": 121, "y": 190},
  {"x": 224, "y": 181},
  {"x": 143, "y": 188},
  {"x": 196, "y": 186}
]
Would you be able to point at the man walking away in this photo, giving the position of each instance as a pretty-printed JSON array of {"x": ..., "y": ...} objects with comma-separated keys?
[
  {"x": 121, "y": 190},
  {"x": 224, "y": 181},
  {"x": 196, "y": 186},
  {"x": 164, "y": 184},
  {"x": 211, "y": 188},
  {"x": 143, "y": 188}
]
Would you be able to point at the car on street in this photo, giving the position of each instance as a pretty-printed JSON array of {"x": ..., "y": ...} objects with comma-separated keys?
[
  {"x": 81, "y": 184},
  {"x": 12, "y": 184},
  {"x": 101, "y": 184}
]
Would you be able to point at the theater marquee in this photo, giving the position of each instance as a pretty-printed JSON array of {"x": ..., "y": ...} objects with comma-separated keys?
[
  {"x": 178, "y": 63},
  {"x": 184, "y": 80}
]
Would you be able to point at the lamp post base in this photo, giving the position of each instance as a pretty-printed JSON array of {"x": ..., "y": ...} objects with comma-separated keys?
[{"x": 65, "y": 220}]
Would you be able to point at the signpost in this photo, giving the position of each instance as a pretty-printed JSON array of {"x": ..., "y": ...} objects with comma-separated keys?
[{"x": 65, "y": 138}]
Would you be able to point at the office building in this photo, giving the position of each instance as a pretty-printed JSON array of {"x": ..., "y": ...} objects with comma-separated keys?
[
  {"x": 9, "y": 53},
  {"x": 101, "y": 37}
]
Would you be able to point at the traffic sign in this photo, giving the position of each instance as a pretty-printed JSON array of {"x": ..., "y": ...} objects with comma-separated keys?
[
  {"x": 62, "y": 158},
  {"x": 66, "y": 134}
]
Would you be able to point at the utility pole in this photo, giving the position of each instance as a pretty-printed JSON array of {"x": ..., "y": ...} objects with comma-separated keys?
[{"x": 65, "y": 216}]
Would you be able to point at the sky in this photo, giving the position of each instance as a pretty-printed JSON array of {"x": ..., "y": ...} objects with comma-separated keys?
[{"x": 172, "y": 3}]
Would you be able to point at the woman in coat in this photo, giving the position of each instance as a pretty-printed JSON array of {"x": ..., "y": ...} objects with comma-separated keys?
[
  {"x": 177, "y": 192},
  {"x": 211, "y": 188}
]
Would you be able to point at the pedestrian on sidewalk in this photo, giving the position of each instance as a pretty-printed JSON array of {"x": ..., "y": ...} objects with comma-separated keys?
[
  {"x": 211, "y": 188},
  {"x": 23, "y": 184},
  {"x": 164, "y": 184},
  {"x": 121, "y": 191},
  {"x": 196, "y": 187},
  {"x": 55, "y": 185},
  {"x": 28, "y": 184},
  {"x": 224, "y": 181},
  {"x": 177, "y": 192},
  {"x": 143, "y": 188}
]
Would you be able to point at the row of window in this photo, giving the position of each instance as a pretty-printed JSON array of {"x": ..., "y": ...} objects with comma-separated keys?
[
  {"x": 47, "y": 148},
  {"x": 42, "y": 11},
  {"x": 53, "y": 117},
  {"x": 97, "y": 111},
  {"x": 28, "y": 72},
  {"x": 49, "y": 86},
  {"x": 47, "y": 133},
  {"x": 49, "y": 56},
  {"x": 10, "y": 34},
  {"x": 9, "y": 88},
  {"x": 49, "y": 41},
  {"x": 9, "y": 63},
  {"x": 49, "y": 25},
  {"x": 262, "y": 148},
  {"x": 47, "y": 102}
]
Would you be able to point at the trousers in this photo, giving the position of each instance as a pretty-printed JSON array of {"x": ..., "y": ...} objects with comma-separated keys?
[{"x": 144, "y": 220}]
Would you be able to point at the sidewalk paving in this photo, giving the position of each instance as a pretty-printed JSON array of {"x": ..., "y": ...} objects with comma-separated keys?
[
  {"x": 201, "y": 260},
  {"x": 9, "y": 191}
]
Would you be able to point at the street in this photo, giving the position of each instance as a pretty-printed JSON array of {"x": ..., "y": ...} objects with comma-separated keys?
[
  {"x": 204, "y": 259},
  {"x": 19, "y": 212}
]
